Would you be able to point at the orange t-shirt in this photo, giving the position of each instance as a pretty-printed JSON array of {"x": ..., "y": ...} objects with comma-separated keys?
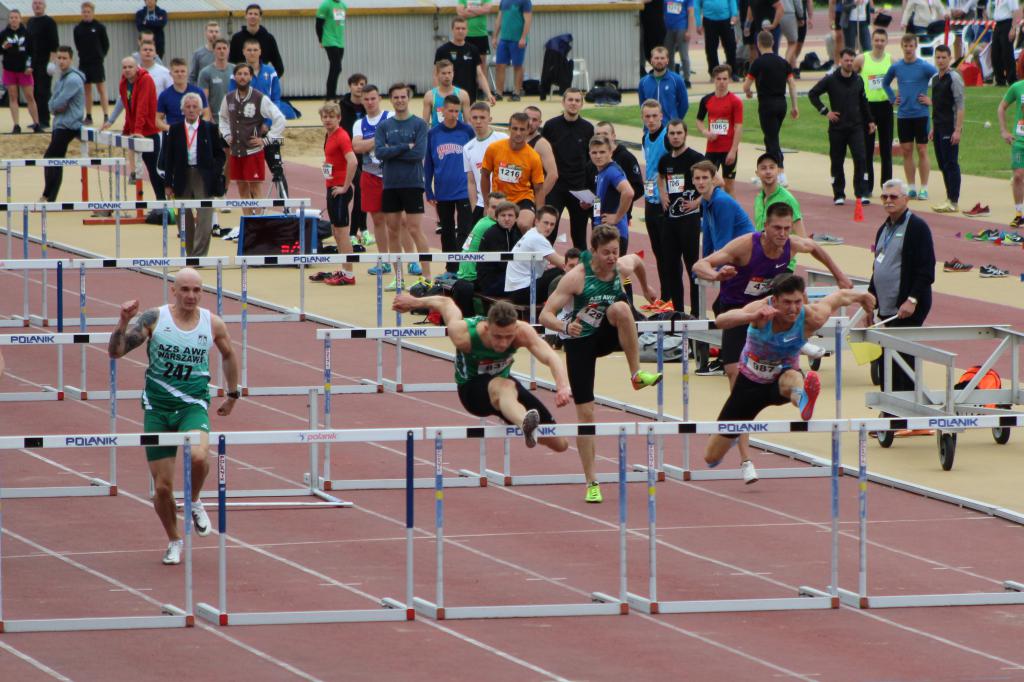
[{"x": 513, "y": 172}]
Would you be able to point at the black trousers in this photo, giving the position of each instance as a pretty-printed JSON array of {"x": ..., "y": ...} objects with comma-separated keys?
[
  {"x": 715, "y": 31},
  {"x": 334, "y": 56},
  {"x": 680, "y": 241},
  {"x": 41, "y": 90},
  {"x": 839, "y": 140},
  {"x": 882, "y": 113},
  {"x": 462, "y": 293},
  {"x": 1003, "y": 64},
  {"x": 456, "y": 218},
  {"x": 579, "y": 217},
  {"x": 654, "y": 217},
  {"x": 522, "y": 296},
  {"x": 150, "y": 159},
  {"x": 771, "y": 113},
  {"x": 357, "y": 223},
  {"x": 59, "y": 141}
]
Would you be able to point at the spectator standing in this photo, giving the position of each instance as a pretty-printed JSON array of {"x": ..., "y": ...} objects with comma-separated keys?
[
  {"x": 215, "y": 78},
  {"x": 434, "y": 99},
  {"x": 626, "y": 161},
  {"x": 443, "y": 177},
  {"x": 872, "y": 67},
  {"x": 947, "y": 102},
  {"x": 664, "y": 86},
  {"x": 535, "y": 138},
  {"x": 42, "y": 32},
  {"x": 469, "y": 67},
  {"x": 680, "y": 204},
  {"x": 652, "y": 30},
  {"x": 254, "y": 29},
  {"x": 723, "y": 112},
  {"x": 155, "y": 19},
  {"x": 339, "y": 173},
  {"x": 192, "y": 159},
  {"x": 17, "y": 63},
  {"x": 351, "y": 102},
  {"x": 1006, "y": 14},
  {"x": 330, "y": 31},
  {"x": 168, "y": 104},
  {"x": 242, "y": 125},
  {"x": 352, "y": 111},
  {"x": 149, "y": 61},
  {"x": 655, "y": 147},
  {"x": 146, "y": 36},
  {"x": 773, "y": 75},
  {"x": 67, "y": 104},
  {"x": 1014, "y": 98},
  {"x": 903, "y": 270},
  {"x": 204, "y": 55},
  {"x": 848, "y": 114},
  {"x": 138, "y": 92},
  {"x": 473, "y": 154},
  {"x": 679, "y": 25},
  {"x": 370, "y": 173},
  {"x": 612, "y": 193},
  {"x": 511, "y": 28},
  {"x": 519, "y": 272},
  {"x": 764, "y": 16},
  {"x": 912, "y": 75},
  {"x": 716, "y": 21},
  {"x": 267, "y": 82},
  {"x": 772, "y": 192},
  {"x": 513, "y": 168},
  {"x": 569, "y": 135},
  {"x": 475, "y": 13},
  {"x": 400, "y": 142},
  {"x": 856, "y": 26},
  {"x": 92, "y": 43},
  {"x": 722, "y": 217}
]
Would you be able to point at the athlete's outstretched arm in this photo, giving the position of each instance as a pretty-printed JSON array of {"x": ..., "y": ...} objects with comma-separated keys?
[
  {"x": 450, "y": 312},
  {"x": 570, "y": 285},
  {"x": 818, "y": 313},
  {"x": 222, "y": 340},
  {"x": 531, "y": 341},
  {"x": 124, "y": 339},
  {"x": 632, "y": 267},
  {"x": 757, "y": 312}
]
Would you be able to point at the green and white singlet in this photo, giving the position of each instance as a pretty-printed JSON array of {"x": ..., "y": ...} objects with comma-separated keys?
[
  {"x": 179, "y": 364},
  {"x": 480, "y": 359},
  {"x": 594, "y": 300}
]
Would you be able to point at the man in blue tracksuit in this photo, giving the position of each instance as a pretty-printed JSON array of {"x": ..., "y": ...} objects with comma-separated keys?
[
  {"x": 722, "y": 217},
  {"x": 445, "y": 179},
  {"x": 654, "y": 149},
  {"x": 664, "y": 86}
]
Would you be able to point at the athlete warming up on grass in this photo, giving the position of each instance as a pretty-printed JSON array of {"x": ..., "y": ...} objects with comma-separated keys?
[
  {"x": 176, "y": 396},
  {"x": 590, "y": 312},
  {"x": 485, "y": 349},
  {"x": 777, "y": 327}
]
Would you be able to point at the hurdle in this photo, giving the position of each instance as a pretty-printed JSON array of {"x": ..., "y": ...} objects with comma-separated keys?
[
  {"x": 807, "y": 598},
  {"x": 134, "y": 145},
  {"x": 171, "y": 616},
  {"x": 602, "y": 604},
  {"x": 861, "y": 598},
  {"x": 8, "y": 165},
  {"x": 392, "y": 609}
]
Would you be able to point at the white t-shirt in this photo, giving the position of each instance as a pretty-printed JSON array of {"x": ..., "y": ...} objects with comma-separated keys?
[
  {"x": 366, "y": 127},
  {"x": 517, "y": 273},
  {"x": 473, "y": 158},
  {"x": 161, "y": 78}
]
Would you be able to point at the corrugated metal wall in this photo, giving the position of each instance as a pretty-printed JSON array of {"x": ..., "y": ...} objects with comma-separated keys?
[{"x": 390, "y": 48}]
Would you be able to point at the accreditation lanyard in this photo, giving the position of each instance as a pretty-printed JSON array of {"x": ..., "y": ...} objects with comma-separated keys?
[
  {"x": 891, "y": 231},
  {"x": 189, "y": 139}
]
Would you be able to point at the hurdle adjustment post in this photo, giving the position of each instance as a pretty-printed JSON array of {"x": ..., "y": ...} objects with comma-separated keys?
[
  {"x": 187, "y": 492},
  {"x": 313, "y": 454},
  {"x": 24, "y": 254},
  {"x": 245, "y": 325},
  {"x": 83, "y": 395},
  {"x": 117, "y": 214},
  {"x": 410, "y": 511},
  {"x": 328, "y": 371},
  {"x": 164, "y": 252},
  {"x": 222, "y": 527},
  {"x": 302, "y": 265},
  {"x": 44, "y": 274},
  {"x": 622, "y": 518},
  {"x": 439, "y": 520},
  {"x": 686, "y": 396},
  {"x": 10, "y": 231},
  {"x": 380, "y": 319},
  {"x": 862, "y": 495},
  {"x": 533, "y": 320},
  {"x": 834, "y": 561},
  {"x": 60, "y": 328},
  {"x": 220, "y": 314},
  {"x": 181, "y": 231},
  {"x": 113, "y": 429},
  {"x": 661, "y": 394}
]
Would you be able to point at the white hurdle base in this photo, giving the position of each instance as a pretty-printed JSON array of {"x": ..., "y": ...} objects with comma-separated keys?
[
  {"x": 503, "y": 479},
  {"x": 681, "y": 474},
  {"x": 325, "y": 500},
  {"x": 97, "y": 488},
  {"x": 391, "y": 611},
  {"x": 603, "y": 605},
  {"x": 805, "y": 602},
  {"x": 467, "y": 480},
  {"x": 391, "y": 385},
  {"x": 173, "y": 617},
  {"x": 1014, "y": 594}
]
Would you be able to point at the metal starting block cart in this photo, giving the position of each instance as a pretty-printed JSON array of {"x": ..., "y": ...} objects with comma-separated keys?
[{"x": 950, "y": 409}]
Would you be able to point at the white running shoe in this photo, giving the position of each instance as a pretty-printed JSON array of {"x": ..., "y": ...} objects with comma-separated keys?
[
  {"x": 749, "y": 472},
  {"x": 200, "y": 520},
  {"x": 172, "y": 557},
  {"x": 813, "y": 351}
]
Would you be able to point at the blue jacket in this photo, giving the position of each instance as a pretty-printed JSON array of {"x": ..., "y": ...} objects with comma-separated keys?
[
  {"x": 716, "y": 10},
  {"x": 669, "y": 91},
  {"x": 444, "y": 177},
  {"x": 653, "y": 151},
  {"x": 402, "y": 164},
  {"x": 68, "y": 100},
  {"x": 722, "y": 220}
]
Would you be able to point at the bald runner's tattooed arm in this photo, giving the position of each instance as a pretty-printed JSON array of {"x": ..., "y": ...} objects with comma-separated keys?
[{"x": 127, "y": 337}]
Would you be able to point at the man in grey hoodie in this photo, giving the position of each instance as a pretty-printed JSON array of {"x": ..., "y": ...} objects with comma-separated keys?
[{"x": 67, "y": 105}]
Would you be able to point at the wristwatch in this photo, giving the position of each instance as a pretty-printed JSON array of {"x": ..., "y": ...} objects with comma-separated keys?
[
  {"x": 909, "y": 298},
  {"x": 236, "y": 394}
]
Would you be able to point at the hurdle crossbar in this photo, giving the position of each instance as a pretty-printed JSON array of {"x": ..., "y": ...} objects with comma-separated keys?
[
  {"x": 171, "y": 616},
  {"x": 392, "y": 609},
  {"x": 602, "y": 604},
  {"x": 132, "y": 145}
]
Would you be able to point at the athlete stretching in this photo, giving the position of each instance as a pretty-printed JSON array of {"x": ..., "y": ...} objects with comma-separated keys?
[
  {"x": 176, "y": 396},
  {"x": 769, "y": 371},
  {"x": 486, "y": 348}
]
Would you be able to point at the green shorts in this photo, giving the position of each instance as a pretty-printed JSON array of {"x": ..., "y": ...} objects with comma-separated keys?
[
  {"x": 1017, "y": 156},
  {"x": 190, "y": 418}
]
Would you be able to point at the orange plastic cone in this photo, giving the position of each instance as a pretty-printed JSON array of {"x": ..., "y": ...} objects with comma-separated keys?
[{"x": 858, "y": 211}]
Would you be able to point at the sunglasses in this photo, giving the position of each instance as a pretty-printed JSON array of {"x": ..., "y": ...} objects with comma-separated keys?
[{"x": 894, "y": 197}]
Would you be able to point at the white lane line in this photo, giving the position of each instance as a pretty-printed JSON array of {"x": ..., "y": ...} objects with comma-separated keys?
[{"x": 35, "y": 663}]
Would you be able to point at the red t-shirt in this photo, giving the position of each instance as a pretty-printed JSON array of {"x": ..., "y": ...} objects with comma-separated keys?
[
  {"x": 722, "y": 114},
  {"x": 336, "y": 146}
]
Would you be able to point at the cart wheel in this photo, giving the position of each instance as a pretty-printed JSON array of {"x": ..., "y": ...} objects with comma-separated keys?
[
  {"x": 1001, "y": 435},
  {"x": 815, "y": 364},
  {"x": 885, "y": 438},
  {"x": 876, "y": 372},
  {"x": 947, "y": 449}
]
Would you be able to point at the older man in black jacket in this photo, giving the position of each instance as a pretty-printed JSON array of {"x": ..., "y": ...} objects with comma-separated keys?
[
  {"x": 903, "y": 270},
  {"x": 848, "y": 114},
  {"x": 193, "y": 159}
]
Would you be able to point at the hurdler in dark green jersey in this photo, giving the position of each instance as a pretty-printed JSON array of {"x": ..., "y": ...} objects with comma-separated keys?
[{"x": 485, "y": 349}]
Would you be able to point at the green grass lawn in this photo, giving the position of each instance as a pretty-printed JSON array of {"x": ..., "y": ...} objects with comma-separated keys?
[{"x": 982, "y": 152}]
